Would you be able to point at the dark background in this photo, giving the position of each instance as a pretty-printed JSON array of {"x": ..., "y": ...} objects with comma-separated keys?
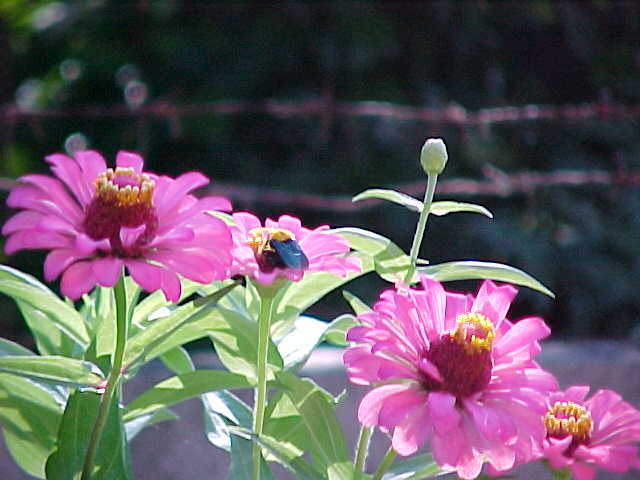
[{"x": 267, "y": 99}]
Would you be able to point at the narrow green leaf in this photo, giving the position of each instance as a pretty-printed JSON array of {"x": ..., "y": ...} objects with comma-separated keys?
[
  {"x": 326, "y": 442},
  {"x": 30, "y": 416},
  {"x": 356, "y": 304},
  {"x": 156, "y": 300},
  {"x": 180, "y": 388},
  {"x": 135, "y": 426},
  {"x": 471, "y": 270},
  {"x": 415, "y": 468},
  {"x": 112, "y": 458},
  {"x": 444, "y": 207},
  {"x": 50, "y": 340},
  {"x": 336, "y": 333},
  {"x": 26, "y": 289},
  {"x": 390, "y": 262},
  {"x": 52, "y": 369},
  {"x": 12, "y": 349},
  {"x": 241, "y": 461},
  {"x": 301, "y": 295},
  {"x": 236, "y": 341},
  {"x": 140, "y": 345},
  {"x": 390, "y": 196},
  {"x": 221, "y": 407},
  {"x": 296, "y": 346},
  {"x": 177, "y": 360}
]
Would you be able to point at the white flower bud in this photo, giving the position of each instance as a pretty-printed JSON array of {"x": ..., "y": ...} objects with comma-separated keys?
[{"x": 433, "y": 156}]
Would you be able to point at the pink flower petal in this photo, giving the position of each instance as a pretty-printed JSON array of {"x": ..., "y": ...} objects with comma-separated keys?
[
  {"x": 129, "y": 159},
  {"x": 166, "y": 198},
  {"x": 77, "y": 280},
  {"x": 411, "y": 434},
  {"x": 58, "y": 260},
  {"x": 130, "y": 235},
  {"x": 26, "y": 219},
  {"x": 442, "y": 412},
  {"x": 521, "y": 334},
  {"x": 372, "y": 403},
  {"x": 66, "y": 169},
  {"x": 106, "y": 270}
]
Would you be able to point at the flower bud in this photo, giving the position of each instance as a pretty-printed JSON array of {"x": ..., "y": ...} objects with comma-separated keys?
[{"x": 433, "y": 156}]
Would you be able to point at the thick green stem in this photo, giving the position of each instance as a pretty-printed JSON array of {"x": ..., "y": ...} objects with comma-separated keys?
[
  {"x": 432, "y": 179},
  {"x": 113, "y": 381},
  {"x": 386, "y": 462},
  {"x": 363, "y": 448},
  {"x": 264, "y": 323}
]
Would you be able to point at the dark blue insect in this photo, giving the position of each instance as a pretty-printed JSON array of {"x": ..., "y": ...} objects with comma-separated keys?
[{"x": 288, "y": 254}]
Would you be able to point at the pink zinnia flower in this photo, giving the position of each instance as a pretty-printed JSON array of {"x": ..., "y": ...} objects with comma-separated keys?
[
  {"x": 583, "y": 435},
  {"x": 451, "y": 369},
  {"x": 286, "y": 249},
  {"x": 96, "y": 220}
]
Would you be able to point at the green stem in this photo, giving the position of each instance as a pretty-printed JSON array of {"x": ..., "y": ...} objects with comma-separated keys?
[
  {"x": 264, "y": 323},
  {"x": 363, "y": 448},
  {"x": 385, "y": 463},
  {"x": 113, "y": 381},
  {"x": 432, "y": 179}
]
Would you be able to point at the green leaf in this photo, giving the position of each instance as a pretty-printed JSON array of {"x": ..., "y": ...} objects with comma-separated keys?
[
  {"x": 415, "y": 468},
  {"x": 437, "y": 208},
  {"x": 219, "y": 408},
  {"x": 30, "y": 416},
  {"x": 296, "y": 346},
  {"x": 337, "y": 330},
  {"x": 356, "y": 304},
  {"x": 151, "y": 341},
  {"x": 299, "y": 296},
  {"x": 180, "y": 388},
  {"x": 52, "y": 369},
  {"x": 177, "y": 360},
  {"x": 390, "y": 196},
  {"x": 156, "y": 300},
  {"x": 325, "y": 440},
  {"x": 236, "y": 341},
  {"x": 12, "y": 349},
  {"x": 112, "y": 458},
  {"x": 471, "y": 270},
  {"x": 27, "y": 290},
  {"x": 242, "y": 462},
  {"x": 49, "y": 339},
  {"x": 390, "y": 262},
  {"x": 135, "y": 426},
  {"x": 444, "y": 207}
]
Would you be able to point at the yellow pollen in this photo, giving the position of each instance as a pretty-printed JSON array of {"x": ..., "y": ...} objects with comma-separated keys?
[
  {"x": 259, "y": 238},
  {"x": 127, "y": 195},
  {"x": 480, "y": 328},
  {"x": 568, "y": 418}
]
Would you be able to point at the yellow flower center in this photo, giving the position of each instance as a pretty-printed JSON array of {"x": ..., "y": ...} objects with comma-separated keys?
[
  {"x": 568, "y": 418},
  {"x": 123, "y": 199},
  {"x": 123, "y": 187},
  {"x": 474, "y": 332},
  {"x": 260, "y": 238}
]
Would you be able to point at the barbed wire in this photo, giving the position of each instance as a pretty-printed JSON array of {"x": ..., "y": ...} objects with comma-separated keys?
[
  {"x": 326, "y": 105},
  {"x": 495, "y": 184}
]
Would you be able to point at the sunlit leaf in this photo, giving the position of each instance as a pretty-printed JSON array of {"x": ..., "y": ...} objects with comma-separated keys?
[
  {"x": 472, "y": 270},
  {"x": 180, "y": 388},
  {"x": 414, "y": 468},
  {"x": 390, "y": 262},
  {"x": 296, "y": 346},
  {"x": 112, "y": 458},
  {"x": 299, "y": 296},
  {"x": 135, "y": 426},
  {"x": 52, "y": 369},
  {"x": 30, "y": 417},
  {"x": 338, "y": 328},
  {"x": 357, "y": 305},
  {"x": 439, "y": 208},
  {"x": 177, "y": 360},
  {"x": 326, "y": 442}
]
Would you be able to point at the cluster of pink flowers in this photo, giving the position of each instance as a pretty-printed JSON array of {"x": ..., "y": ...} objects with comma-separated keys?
[
  {"x": 96, "y": 220},
  {"x": 451, "y": 370}
]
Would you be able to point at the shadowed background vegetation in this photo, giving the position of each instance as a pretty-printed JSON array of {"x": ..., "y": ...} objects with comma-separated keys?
[{"x": 143, "y": 75}]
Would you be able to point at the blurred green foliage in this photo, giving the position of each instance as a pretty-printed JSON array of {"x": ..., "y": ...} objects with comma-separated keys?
[{"x": 583, "y": 242}]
